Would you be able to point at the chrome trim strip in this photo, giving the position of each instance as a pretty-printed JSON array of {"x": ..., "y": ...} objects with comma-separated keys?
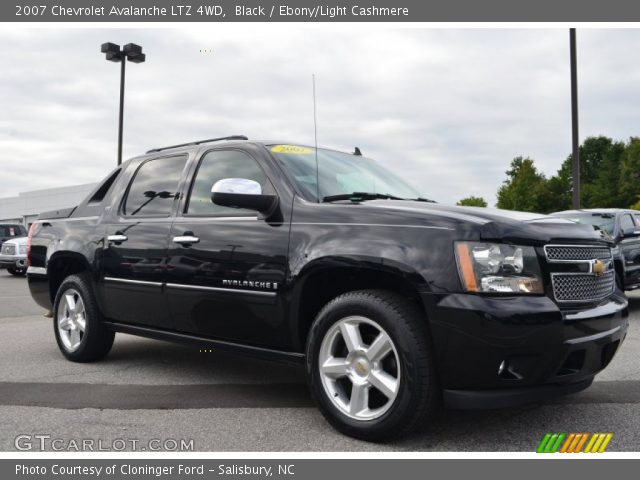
[
  {"x": 134, "y": 282},
  {"x": 573, "y": 246},
  {"x": 185, "y": 217},
  {"x": 372, "y": 225},
  {"x": 590, "y": 338},
  {"x": 71, "y": 219},
  {"x": 183, "y": 286},
  {"x": 36, "y": 271}
]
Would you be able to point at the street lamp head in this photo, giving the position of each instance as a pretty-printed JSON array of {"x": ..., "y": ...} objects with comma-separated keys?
[
  {"x": 113, "y": 56},
  {"x": 109, "y": 47},
  {"x": 111, "y": 51},
  {"x": 138, "y": 58},
  {"x": 134, "y": 53}
]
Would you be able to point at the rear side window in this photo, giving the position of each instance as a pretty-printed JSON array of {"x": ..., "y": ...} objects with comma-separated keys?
[
  {"x": 154, "y": 187},
  {"x": 215, "y": 166}
]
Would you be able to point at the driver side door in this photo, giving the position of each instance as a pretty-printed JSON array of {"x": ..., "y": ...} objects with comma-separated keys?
[{"x": 227, "y": 266}]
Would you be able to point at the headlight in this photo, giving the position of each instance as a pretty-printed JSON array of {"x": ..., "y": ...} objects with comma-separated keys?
[{"x": 498, "y": 268}]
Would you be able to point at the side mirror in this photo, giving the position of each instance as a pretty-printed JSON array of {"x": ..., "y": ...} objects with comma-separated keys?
[
  {"x": 631, "y": 232},
  {"x": 242, "y": 193}
]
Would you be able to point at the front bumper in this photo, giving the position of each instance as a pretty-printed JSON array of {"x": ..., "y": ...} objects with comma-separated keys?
[
  {"x": 13, "y": 261},
  {"x": 499, "y": 351}
]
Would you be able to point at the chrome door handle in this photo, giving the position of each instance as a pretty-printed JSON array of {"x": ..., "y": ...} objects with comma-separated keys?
[
  {"x": 185, "y": 239},
  {"x": 117, "y": 238}
]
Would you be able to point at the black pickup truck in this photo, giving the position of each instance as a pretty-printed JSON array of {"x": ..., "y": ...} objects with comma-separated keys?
[{"x": 394, "y": 304}]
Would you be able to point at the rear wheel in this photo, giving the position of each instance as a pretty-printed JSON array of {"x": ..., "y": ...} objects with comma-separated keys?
[
  {"x": 77, "y": 322},
  {"x": 370, "y": 367}
]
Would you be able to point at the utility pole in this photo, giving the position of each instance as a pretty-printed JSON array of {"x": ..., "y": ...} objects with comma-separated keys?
[{"x": 575, "y": 167}]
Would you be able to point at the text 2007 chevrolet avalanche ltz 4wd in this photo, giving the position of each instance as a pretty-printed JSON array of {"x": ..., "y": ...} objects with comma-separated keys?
[{"x": 393, "y": 303}]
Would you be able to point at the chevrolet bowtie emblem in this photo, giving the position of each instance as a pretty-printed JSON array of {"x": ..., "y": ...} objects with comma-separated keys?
[
  {"x": 598, "y": 267},
  {"x": 361, "y": 368}
]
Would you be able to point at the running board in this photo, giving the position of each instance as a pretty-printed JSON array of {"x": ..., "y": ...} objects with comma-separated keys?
[{"x": 202, "y": 342}]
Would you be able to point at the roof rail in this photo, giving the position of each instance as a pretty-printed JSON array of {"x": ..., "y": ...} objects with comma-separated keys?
[{"x": 230, "y": 137}]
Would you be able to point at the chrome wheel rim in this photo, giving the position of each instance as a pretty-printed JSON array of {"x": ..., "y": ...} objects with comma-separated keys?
[
  {"x": 71, "y": 319},
  {"x": 360, "y": 368}
]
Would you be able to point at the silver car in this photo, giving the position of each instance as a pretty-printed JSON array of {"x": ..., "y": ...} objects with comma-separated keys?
[{"x": 13, "y": 256}]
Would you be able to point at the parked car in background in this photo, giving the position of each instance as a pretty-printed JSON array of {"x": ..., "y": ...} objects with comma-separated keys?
[
  {"x": 9, "y": 231},
  {"x": 623, "y": 228},
  {"x": 13, "y": 256}
]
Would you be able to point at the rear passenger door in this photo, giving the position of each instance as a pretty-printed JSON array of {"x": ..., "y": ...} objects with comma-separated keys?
[
  {"x": 630, "y": 247},
  {"x": 133, "y": 262},
  {"x": 228, "y": 283}
]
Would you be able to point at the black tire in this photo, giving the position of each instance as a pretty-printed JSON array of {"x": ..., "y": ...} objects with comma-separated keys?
[
  {"x": 97, "y": 340},
  {"x": 17, "y": 272},
  {"x": 418, "y": 394},
  {"x": 619, "y": 282}
]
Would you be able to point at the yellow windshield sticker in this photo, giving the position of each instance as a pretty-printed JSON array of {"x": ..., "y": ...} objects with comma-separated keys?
[{"x": 295, "y": 149}]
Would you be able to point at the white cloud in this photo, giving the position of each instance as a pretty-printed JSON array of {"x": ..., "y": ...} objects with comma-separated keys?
[{"x": 449, "y": 108}]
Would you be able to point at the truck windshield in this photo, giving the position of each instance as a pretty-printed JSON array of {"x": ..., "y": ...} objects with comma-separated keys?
[
  {"x": 603, "y": 222},
  {"x": 340, "y": 174},
  {"x": 11, "y": 231}
]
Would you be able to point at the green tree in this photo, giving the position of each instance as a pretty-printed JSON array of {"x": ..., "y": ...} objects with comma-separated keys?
[
  {"x": 604, "y": 191},
  {"x": 524, "y": 187},
  {"x": 629, "y": 180},
  {"x": 472, "y": 202}
]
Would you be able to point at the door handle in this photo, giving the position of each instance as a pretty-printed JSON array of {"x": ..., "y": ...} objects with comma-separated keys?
[
  {"x": 186, "y": 239},
  {"x": 117, "y": 238}
]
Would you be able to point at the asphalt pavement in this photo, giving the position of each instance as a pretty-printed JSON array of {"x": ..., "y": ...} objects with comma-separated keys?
[{"x": 152, "y": 390}]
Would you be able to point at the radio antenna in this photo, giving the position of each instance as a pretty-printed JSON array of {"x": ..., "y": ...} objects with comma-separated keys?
[{"x": 315, "y": 134}]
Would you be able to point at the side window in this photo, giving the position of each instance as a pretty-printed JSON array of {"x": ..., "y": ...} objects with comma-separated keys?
[
  {"x": 215, "y": 166},
  {"x": 626, "y": 222},
  {"x": 154, "y": 187},
  {"x": 637, "y": 219}
]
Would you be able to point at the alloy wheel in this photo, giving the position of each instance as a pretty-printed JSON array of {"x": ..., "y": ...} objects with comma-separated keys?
[
  {"x": 359, "y": 368},
  {"x": 72, "y": 319}
]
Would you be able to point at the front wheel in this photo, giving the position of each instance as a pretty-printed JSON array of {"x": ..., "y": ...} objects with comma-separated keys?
[
  {"x": 77, "y": 322},
  {"x": 370, "y": 366}
]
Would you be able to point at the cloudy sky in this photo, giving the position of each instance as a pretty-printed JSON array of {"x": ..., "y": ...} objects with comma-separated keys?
[{"x": 447, "y": 109}]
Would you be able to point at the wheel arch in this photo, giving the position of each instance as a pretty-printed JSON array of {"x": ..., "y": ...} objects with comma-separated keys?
[
  {"x": 326, "y": 279},
  {"x": 61, "y": 265}
]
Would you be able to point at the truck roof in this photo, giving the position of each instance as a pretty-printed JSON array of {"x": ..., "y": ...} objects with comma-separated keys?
[{"x": 238, "y": 139}]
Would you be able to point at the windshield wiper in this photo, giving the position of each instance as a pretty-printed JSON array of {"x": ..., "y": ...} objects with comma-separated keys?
[{"x": 359, "y": 196}]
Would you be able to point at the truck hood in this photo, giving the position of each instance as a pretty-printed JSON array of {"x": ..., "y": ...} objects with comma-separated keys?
[
  {"x": 504, "y": 225},
  {"x": 16, "y": 241}
]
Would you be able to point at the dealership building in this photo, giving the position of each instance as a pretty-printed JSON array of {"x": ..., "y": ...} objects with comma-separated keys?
[{"x": 25, "y": 207}]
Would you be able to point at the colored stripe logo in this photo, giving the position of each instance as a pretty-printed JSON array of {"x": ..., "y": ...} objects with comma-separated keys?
[{"x": 574, "y": 443}]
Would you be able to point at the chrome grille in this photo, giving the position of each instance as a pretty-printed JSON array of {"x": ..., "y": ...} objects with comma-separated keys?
[
  {"x": 576, "y": 253},
  {"x": 580, "y": 287},
  {"x": 8, "y": 249}
]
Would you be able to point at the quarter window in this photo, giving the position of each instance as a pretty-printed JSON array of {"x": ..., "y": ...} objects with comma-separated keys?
[
  {"x": 154, "y": 187},
  {"x": 626, "y": 222},
  {"x": 215, "y": 166}
]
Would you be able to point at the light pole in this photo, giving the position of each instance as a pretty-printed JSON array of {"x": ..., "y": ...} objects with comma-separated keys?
[
  {"x": 132, "y": 53},
  {"x": 575, "y": 167}
]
